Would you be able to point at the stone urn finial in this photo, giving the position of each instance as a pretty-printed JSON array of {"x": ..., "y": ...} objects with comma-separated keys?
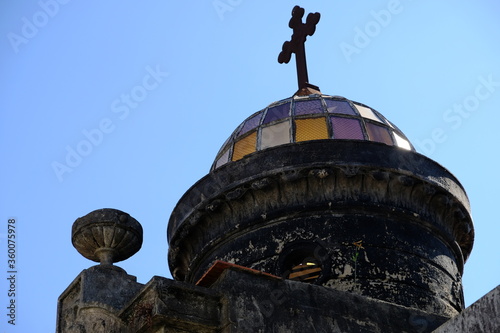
[{"x": 107, "y": 236}]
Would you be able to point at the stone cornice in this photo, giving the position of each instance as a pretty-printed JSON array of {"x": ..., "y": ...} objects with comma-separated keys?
[{"x": 324, "y": 175}]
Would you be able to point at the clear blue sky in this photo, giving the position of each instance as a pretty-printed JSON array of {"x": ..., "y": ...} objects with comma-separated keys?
[{"x": 195, "y": 70}]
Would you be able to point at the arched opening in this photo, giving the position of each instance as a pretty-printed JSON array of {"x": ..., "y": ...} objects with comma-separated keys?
[
  {"x": 308, "y": 271},
  {"x": 302, "y": 261}
]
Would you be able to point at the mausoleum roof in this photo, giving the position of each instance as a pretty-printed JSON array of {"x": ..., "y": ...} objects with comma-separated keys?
[{"x": 305, "y": 118}]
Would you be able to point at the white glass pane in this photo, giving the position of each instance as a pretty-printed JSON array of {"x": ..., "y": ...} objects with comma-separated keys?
[
  {"x": 367, "y": 113},
  {"x": 275, "y": 135},
  {"x": 402, "y": 142}
]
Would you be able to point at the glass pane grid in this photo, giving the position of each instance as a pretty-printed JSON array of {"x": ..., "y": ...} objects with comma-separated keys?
[
  {"x": 367, "y": 113},
  {"x": 381, "y": 117},
  {"x": 378, "y": 133},
  {"x": 401, "y": 142},
  {"x": 225, "y": 145},
  {"x": 251, "y": 123},
  {"x": 303, "y": 118},
  {"x": 347, "y": 128},
  {"x": 274, "y": 135},
  {"x": 223, "y": 159},
  {"x": 311, "y": 129},
  {"x": 342, "y": 107},
  {"x": 308, "y": 107},
  {"x": 245, "y": 146},
  {"x": 277, "y": 113}
]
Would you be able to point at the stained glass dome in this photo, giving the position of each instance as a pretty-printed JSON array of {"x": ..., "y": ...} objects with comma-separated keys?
[{"x": 304, "y": 118}]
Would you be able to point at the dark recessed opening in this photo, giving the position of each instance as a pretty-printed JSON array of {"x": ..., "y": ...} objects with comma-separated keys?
[
  {"x": 303, "y": 261},
  {"x": 309, "y": 271}
]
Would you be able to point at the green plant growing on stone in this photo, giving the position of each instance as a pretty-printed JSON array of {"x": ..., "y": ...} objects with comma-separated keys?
[{"x": 359, "y": 246}]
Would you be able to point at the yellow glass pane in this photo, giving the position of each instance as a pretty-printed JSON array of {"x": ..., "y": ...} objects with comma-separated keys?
[
  {"x": 311, "y": 129},
  {"x": 245, "y": 146}
]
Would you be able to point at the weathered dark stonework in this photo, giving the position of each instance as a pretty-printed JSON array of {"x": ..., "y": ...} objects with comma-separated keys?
[
  {"x": 238, "y": 300},
  {"x": 92, "y": 301},
  {"x": 410, "y": 213},
  {"x": 389, "y": 228},
  {"x": 180, "y": 307},
  {"x": 482, "y": 316},
  {"x": 263, "y": 304},
  {"x": 329, "y": 235}
]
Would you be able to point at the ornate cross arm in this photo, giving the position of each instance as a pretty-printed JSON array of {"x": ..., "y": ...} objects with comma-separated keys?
[{"x": 297, "y": 43}]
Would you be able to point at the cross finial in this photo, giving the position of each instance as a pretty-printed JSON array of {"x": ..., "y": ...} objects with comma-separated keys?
[{"x": 296, "y": 44}]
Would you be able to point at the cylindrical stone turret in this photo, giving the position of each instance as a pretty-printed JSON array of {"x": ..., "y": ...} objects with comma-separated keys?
[{"x": 365, "y": 213}]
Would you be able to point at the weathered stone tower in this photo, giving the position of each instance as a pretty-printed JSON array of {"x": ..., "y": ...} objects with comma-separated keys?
[
  {"x": 324, "y": 189},
  {"x": 317, "y": 215},
  {"x": 327, "y": 190}
]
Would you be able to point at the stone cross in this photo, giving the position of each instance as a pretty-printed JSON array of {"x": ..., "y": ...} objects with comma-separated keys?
[{"x": 296, "y": 44}]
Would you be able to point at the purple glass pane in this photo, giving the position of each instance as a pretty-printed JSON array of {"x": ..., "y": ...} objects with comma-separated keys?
[
  {"x": 378, "y": 133},
  {"x": 223, "y": 159},
  {"x": 277, "y": 112},
  {"x": 251, "y": 123},
  {"x": 342, "y": 107},
  {"x": 347, "y": 128},
  {"x": 308, "y": 107}
]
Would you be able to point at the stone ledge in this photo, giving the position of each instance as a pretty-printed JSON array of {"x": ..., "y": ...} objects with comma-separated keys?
[
  {"x": 482, "y": 316},
  {"x": 180, "y": 306},
  {"x": 257, "y": 303}
]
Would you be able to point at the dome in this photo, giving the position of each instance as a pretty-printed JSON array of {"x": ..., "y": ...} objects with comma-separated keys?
[{"x": 305, "y": 118}]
